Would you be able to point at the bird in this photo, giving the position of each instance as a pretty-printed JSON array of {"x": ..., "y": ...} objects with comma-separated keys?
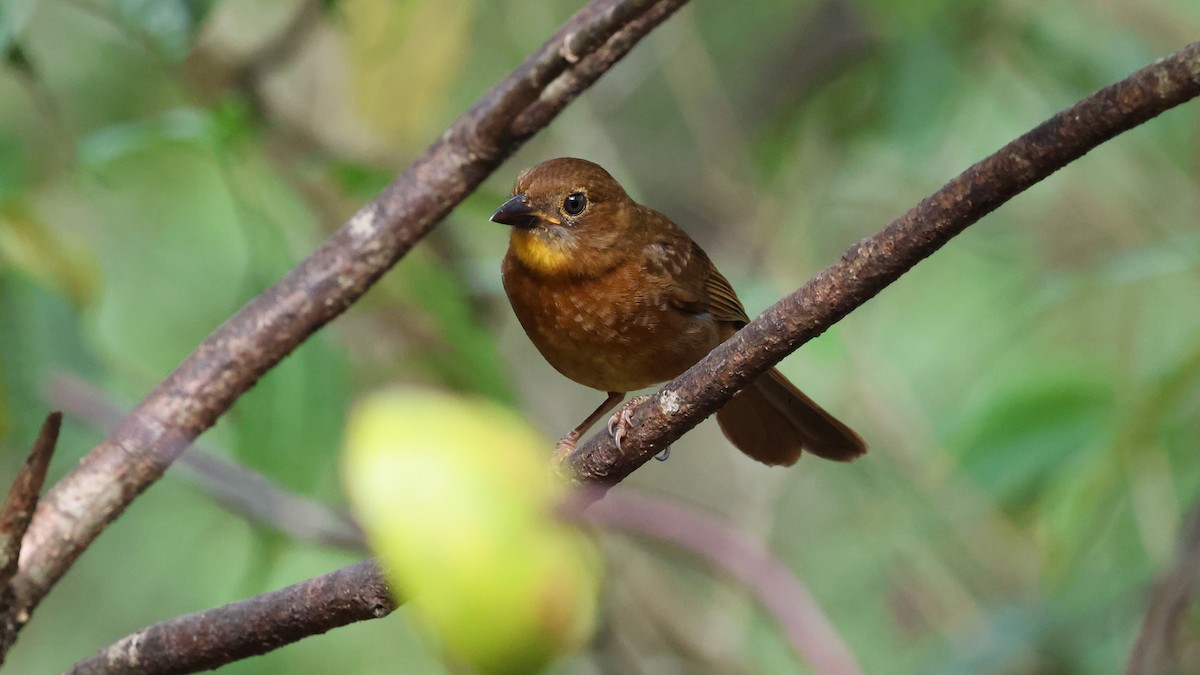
[{"x": 617, "y": 297}]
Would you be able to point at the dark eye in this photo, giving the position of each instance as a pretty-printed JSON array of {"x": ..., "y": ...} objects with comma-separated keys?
[{"x": 574, "y": 204}]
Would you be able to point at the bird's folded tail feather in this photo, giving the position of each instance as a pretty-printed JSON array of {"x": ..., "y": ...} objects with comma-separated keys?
[{"x": 772, "y": 421}]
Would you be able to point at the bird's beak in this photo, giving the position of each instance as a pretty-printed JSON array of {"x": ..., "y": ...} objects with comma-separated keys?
[{"x": 517, "y": 212}]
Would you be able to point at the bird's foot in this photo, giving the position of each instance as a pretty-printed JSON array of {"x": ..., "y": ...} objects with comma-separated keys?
[
  {"x": 619, "y": 423},
  {"x": 664, "y": 455}
]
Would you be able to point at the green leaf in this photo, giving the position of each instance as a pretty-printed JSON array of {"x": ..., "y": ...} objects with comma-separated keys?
[
  {"x": 29, "y": 243},
  {"x": 14, "y": 16},
  {"x": 290, "y": 423},
  {"x": 13, "y": 169},
  {"x": 170, "y": 25},
  {"x": 115, "y": 142},
  {"x": 40, "y": 335},
  {"x": 16, "y": 58},
  {"x": 471, "y": 360},
  {"x": 1031, "y": 429},
  {"x": 173, "y": 255}
]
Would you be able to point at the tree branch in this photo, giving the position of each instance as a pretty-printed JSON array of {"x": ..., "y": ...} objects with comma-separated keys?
[
  {"x": 18, "y": 507},
  {"x": 872, "y": 264},
  {"x": 270, "y": 326},
  {"x": 212, "y": 638},
  {"x": 1156, "y": 651}
]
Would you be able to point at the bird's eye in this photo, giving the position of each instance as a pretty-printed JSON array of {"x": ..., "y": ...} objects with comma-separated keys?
[{"x": 574, "y": 204}]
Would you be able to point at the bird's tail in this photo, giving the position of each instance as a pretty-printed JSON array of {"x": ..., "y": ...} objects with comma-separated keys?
[{"x": 772, "y": 421}]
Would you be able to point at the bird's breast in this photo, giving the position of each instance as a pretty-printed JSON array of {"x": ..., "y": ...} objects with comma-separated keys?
[{"x": 615, "y": 332}]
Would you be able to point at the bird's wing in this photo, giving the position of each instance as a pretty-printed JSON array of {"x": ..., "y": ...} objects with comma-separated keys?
[
  {"x": 695, "y": 285},
  {"x": 722, "y": 301}
]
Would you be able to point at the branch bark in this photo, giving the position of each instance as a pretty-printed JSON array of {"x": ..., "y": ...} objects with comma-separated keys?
[
  {"x": 872, "y": 264},
  {"x": 18, "y": 507},
  {"x": 270, "y": 326},
  {"x": 212, "y": 638},
  {"x": 1156, "y": 651},
  {"x": 869, "y": 266}
]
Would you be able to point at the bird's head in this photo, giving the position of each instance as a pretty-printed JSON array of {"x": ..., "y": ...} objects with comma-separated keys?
[{"x": 567, "y": 216}]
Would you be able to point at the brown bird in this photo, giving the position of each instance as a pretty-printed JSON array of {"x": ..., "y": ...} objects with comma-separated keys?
[{"x": 617, "y": 297}]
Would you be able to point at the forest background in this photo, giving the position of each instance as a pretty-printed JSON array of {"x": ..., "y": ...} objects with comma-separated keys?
[{"x": 1029, "y": 392}]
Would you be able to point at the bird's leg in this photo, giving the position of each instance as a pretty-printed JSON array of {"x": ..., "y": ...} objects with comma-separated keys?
[
  {"x": 566, "y": 446},
  {"x": 619, "y": 422}
]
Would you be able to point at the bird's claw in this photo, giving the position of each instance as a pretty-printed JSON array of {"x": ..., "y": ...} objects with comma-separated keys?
[
  {"x": 662, "y": 456},
  {"x": 619, "y": 423}
]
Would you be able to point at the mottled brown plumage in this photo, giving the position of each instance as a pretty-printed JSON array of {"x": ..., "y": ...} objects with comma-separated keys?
[{"x": 617, "y": 297}]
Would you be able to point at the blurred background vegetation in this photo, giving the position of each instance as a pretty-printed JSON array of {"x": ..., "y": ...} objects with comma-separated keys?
[{"x": 1029, "y": 393}]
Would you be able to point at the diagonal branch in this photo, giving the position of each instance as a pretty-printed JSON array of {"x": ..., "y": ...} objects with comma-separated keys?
[
  {"x": 872, "y": 264},
  {"x": 206, "y": 640},
  {"x": 18, "y": 507},
  {"x": 270, "y": 326},
  {"x": 1157, "y": 651}
]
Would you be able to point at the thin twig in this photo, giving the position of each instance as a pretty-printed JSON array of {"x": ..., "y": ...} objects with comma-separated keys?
[
  {"x": 808, "y": 629},
  {"x": 1156, "y": 651},
  {"x": 872, "y": 264},
  {"x": 250, "y": 627},
  {"x": 23, "y": 496},
  {"x": 233, "y": 486},
  {"x": 228, "y": 362},
  {"x": 264, "y": 502}
]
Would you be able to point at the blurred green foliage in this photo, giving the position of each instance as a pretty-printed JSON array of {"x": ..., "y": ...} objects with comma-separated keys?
[{"x": 1030, "y": 392}]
